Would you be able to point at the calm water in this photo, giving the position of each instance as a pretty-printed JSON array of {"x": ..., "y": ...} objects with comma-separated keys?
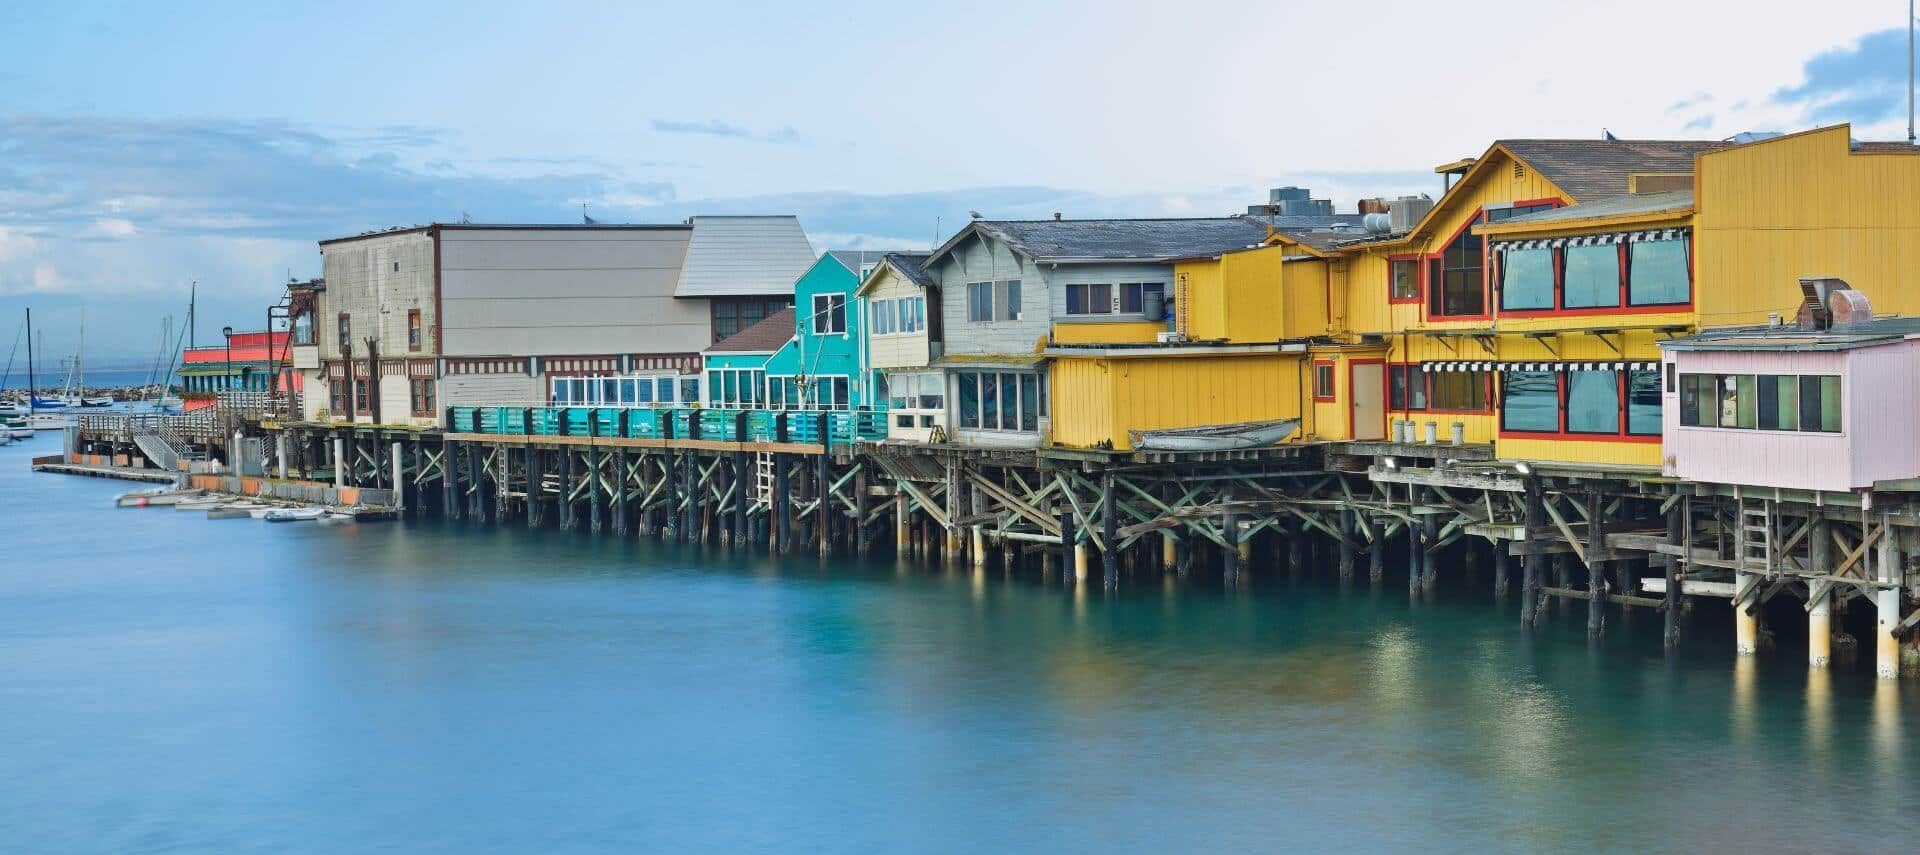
[{"x": 169, "y": 683}]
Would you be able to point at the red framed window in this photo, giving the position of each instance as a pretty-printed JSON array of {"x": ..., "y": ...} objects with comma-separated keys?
[
  {"x": 1323, "y": 382},
  {"x": 346, "y": 333},
  {"x": 1457, "y": 276},
  {"x": 1603, "y": 274},
  {"x": 336, "y": 395},
  {"x": 421, "y": 395},
  {"x": 1583, "y": 404},
  {"x": 413, "y": 330},
  {"x": 1410, "y": 389},
  {"x": 1403, "y": 279}
]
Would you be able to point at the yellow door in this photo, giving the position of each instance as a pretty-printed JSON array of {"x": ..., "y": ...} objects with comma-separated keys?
[{"x": 1369, "y": 400}]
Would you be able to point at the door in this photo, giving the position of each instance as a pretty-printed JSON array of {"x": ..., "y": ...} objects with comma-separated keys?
[{"x": 1369, "y": 400}]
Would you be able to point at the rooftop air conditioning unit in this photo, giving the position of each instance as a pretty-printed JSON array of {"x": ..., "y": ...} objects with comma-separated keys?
[
  {"x": 1403, "y": 213},
  {"x": 1170, "y": 337}
]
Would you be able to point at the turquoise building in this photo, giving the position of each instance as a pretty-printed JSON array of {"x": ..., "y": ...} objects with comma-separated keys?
[{"x": 813, "y": 356}]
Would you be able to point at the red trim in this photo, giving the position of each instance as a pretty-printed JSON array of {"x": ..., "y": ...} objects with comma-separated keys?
[
  {"x": 1414, "y": 368},
  {"x": 1625, "y": 282},
  {"x": 1621, "y": 390},
  {"x": 1486, "y": 260},
  {"x": 413, "y": 323},
  {"x": 1332, "y": 379},
  {"x": 1419, "y": 279}
]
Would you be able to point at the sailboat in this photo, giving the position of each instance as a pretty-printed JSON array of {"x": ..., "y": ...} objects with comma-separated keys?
[
  {"x": 33, "y": 386},
  {"x": 75, "y": 392}
]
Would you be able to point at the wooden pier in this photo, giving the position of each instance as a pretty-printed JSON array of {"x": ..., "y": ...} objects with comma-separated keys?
[{"x": 1603, "y": 536}]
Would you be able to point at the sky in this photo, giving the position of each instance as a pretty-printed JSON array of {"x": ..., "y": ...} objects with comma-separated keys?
[{"x": 145, "y": 146}]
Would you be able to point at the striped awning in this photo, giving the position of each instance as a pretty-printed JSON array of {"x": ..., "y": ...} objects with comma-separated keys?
[
  {"x": 1592, "y": 240},
  {"x": 1540, "y": 366}
]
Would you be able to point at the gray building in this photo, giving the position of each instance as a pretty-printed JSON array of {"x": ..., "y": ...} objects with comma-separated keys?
[
  {"x": 450, "y": 314},
  {"x": 1005, "y": 286}
]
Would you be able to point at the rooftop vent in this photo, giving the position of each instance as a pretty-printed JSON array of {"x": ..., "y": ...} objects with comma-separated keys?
[
  {"x": 1405, "y": 212},
  {"x": 1829, "y": 303}
]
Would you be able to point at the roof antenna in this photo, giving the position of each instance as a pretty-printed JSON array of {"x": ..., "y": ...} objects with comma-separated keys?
[
  {"x": 936, "y": 234},
  {"x": 1910, "y": 23}
]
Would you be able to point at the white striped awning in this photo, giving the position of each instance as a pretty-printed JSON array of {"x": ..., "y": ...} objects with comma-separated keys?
[
  {"x": 1447, "y": 366},
  {"x": 1591, "y": 240}
]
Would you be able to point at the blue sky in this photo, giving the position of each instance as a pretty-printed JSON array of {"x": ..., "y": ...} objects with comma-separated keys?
[{"x": 144, "y": 146}]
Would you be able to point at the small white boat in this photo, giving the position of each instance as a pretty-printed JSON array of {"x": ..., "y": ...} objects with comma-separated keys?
[
  {"x": 157, "y": 499},
  {"x": 1215, "y": 437},
  {"x": 200, "y": 504},
  {"x": 294, "y": 514},
  {"x": 336, "y": 518},
  {"x": 234, "y": 511}
]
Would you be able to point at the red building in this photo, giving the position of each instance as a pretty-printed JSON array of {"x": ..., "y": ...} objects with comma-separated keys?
[{"x": 244, "y": 363}]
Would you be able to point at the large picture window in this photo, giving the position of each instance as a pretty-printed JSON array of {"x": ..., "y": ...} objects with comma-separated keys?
[
  {"x": 1526, "y": 279},
  {"x": 829, "y": 314},
  {"x": 1461, "y": 289},
  {"x": 1410, "y": 389},
  {"x": 1593, "y": 402},
  {"x": 1530, "y": 401},
  {"x": 1772, "y": 402},
  {"x": 1592, "y": 277},
  {"x": 1002, "y": 400},
  {"x": 1658, "y": 273}
]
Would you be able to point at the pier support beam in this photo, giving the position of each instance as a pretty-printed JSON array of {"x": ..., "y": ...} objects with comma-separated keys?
[
  {"x": 1886, "y": 602},
  {"x": 339, "y": 462},
  {"x": 1346, "y": 547},
  {"x": 1596, "y": 566},
  {"x": 1429, "y": 560},
  {"x": 622, "y": 517},
  {"x": 1819, "y": 596},
  {"x": 1230, "y": 556},
  {"x": 1501, "y": 569},
  {"x": 1746, "y": 621},
  {"x": 1532, "y": 562},
  {"x": 1376, "y": 550},
  {"x": 1679, "y": 517},
  {"x": 399, "y": 479},
  {"x": 1109, "y": 532}
]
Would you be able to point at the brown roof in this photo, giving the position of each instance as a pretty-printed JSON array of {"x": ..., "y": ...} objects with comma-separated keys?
[
  {"x": 764, "y": 337},
  {"x": 1597, "y": 169}
]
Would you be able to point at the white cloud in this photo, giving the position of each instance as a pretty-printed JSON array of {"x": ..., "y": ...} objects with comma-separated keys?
[{"x": 112, "y": 227}]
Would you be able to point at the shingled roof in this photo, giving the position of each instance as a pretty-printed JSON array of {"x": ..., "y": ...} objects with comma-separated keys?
[
  {"x": 1597, "y": 169},
  {"x": 1117, "y": 240},
  {"x": 767, "y": 336},
  {"x": 913, "y": 266}
]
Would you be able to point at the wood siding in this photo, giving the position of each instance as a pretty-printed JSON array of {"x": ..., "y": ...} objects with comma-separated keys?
[{"x": 1097, "y": 401}]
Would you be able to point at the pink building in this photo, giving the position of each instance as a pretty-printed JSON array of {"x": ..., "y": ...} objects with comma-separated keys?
[{"x": 1795, "y": 407}]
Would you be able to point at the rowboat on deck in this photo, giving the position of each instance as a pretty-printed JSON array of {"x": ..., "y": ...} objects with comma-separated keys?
[{"x": 1215, "y": 437}]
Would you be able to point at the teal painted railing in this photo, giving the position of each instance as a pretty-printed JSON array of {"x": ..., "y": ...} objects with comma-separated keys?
[{"x": 809, "y": 427}]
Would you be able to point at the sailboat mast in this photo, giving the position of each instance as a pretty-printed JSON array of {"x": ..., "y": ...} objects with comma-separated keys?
[{"x": 30, "y": 380}]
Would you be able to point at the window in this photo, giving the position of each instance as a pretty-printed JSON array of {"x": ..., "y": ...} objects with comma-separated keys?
[
  {"x": 1460, "y": 290},
  {"x": 1459, "y": 391},
  {"x": 1592, "y": 277},
  {"x": 979, "y": 301},
  {"x": 396, "y": 267},
  {"x": 1658, "y": 273},
  {"x": 336, "y": 395},
  {"x": 360, "y": 394},
  {"x": 1089, "y": 299},
  {"x": 1776, "y": 402},
  {"x": 969, "y": 399},
  {"x": 733, "y": 314},
  {"x": 993, "y": 301},
  {"x": 881, "y": 317},
  {"x": 1403, "y": 280},
  {"x": 897, "y": 315},
  {"x": 1593, "y": 402},
  {"x": 1526, "y": 279},
  {"x": 413, "y": 329},
  {"x": 1779, "y": 402},
  {"x": 421, "y": 394},
  {"x": 1530, "y": 401},
  {"x": 1134, "y": 296},
  {"x": 1406, "y": 388},
  {"x": 1323, "y": 381},
  {"x": 1000, "y": 400},
  {"x": 689, "y": 389},
  {"x": 346, "y": 333},
  {"x": 829, "y": 314},
  {"x": 1643, "y": 403}
]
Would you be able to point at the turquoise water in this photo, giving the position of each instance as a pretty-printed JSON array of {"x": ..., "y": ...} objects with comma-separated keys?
[{"x": 173, "y": 684}]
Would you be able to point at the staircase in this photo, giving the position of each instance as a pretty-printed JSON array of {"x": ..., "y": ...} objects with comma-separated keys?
[{"x": 163, "y": 454}]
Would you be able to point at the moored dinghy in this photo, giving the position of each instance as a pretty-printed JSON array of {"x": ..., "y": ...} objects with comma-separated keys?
[
  {"x": 1215, "y": 437},
  {"x": 294, "y": 514}
]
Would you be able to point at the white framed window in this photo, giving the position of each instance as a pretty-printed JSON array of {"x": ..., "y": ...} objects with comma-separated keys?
[
  {"x": 829, "y": 314},
  {"x": 1001, "y": 400},
  {"x": 1089, "y": 298},
  {"x": 898, "y": 315},
  {"x": 993, "y": 301}
]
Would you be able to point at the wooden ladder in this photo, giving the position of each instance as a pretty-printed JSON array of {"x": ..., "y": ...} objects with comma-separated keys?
[
  {"x": 1756, "y": 536},
  {"x": 763, "y": 478}
]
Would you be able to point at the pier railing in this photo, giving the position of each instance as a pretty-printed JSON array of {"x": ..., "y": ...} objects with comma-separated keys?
[{"x": 813, "y": 427}]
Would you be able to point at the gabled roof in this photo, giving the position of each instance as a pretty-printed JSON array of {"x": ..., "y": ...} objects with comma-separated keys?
[
  {"x": 744, "y": 257},
  {"x": 766, "y": 336},
  {"x": 910, "y": 265},
  {"x": 1597, "y": 169},
  {"x": 1118, "y": 240},
  {"x": 856, "y": 259},
  {"x": 1867, "y": 333}
]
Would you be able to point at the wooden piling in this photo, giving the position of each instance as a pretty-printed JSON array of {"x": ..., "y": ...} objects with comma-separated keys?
[
  {"x": 1596, "y": 564},
  {"x": 1532, "y": 560}
]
